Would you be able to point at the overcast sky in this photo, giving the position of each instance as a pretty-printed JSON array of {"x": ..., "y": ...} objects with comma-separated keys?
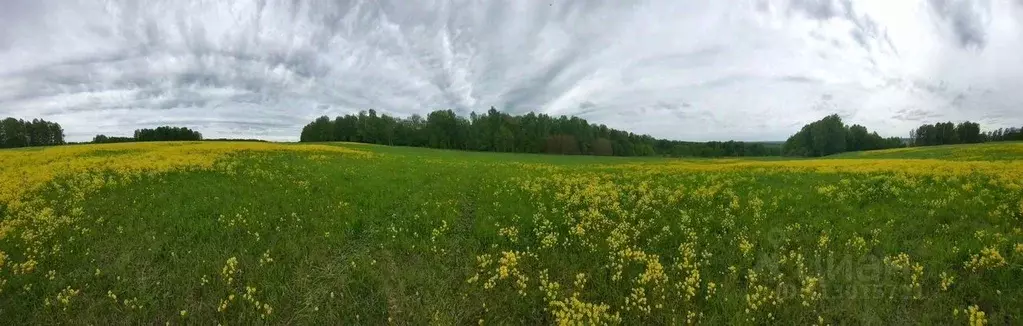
[{"x": 677, "y": 69}]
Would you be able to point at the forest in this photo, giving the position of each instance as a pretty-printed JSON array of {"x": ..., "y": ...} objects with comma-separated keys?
[
  {"x": 496, "y": 131},
  {"x": 164, "y": 133},
  {"x": 24, "y": 133},
  {"x": 830, "y": 135},
  {"x": 948, "y": 133}
]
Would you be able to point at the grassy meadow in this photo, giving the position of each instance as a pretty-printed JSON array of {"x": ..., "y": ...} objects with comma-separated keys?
[{"x": 351, "y": 234}]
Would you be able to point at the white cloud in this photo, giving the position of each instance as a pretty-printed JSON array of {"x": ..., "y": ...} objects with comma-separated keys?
[{"x": 690, "y": 70}]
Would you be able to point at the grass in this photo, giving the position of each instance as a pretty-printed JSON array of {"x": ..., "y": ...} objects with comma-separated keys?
[
  {"x": 997, "y": 151},
  {"x": 257, "y": 233}
]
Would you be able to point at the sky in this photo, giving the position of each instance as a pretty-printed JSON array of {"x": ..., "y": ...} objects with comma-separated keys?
[{"x": 676, "y": 69}]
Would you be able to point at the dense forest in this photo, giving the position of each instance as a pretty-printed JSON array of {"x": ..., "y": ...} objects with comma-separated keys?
[
  {"x": 496, "y": 131},
  {"x": 23, "y": 133},
  {"x": 1004, "y": 134},
  {"x": 831, "y": 136},
  {"x": 948, "y": 133},
  {"x": 164, "y": 133},
  {"x": 167, "y": 133},
  {"x": 103, "y": 139}
]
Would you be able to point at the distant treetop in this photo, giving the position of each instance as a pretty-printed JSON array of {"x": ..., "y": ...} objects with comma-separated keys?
[
  {"x": 496, "y": 131},
  {"x": 167, "y": 133},
  {"x": 23, "y": 133},
  {"x": 830, "y": 135}
]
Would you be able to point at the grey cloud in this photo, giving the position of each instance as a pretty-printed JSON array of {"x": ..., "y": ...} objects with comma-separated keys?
[
  {"x": 586, "y": 109},
  {"x": 18, "y": 14},
  {"x": 823, "y": 9},
  {"x": 685, "y": 113},
  {"x": 966, "y": 19},
  {"x": 723, "y": 81},
  {"x": 865, "y": 30},
  {"x": 825, "y": 106},
  {"x": 798, "y": 79},
  {"x": 938, "y": 88},
  {"x": 236, "y": 123},
  {"x": 915, "y": 115},
  {"x": 692, "y": 70},
  {"x": 959, "y": 100}
]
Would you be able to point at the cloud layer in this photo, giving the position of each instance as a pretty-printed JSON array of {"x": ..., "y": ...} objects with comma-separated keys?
[{"x": 689, "y": 70}]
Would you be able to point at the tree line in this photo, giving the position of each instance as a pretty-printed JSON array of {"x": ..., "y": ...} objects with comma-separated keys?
[
  {"x": 830, "y": 135},
  {"x": 24, "y": 133},
  {"x": 104, "y": 139},
  {"x": 948, "y": 133},
  {"x": 1004, "y": 134},
  {"x": 167, "y": 133},
  {"x": 541, "y": 133},
  {"x": 496, "y": 131},
  {"x": 163, "y": 133}
]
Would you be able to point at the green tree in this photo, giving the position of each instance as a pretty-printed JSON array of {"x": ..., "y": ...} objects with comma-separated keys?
[
  {"x": 858, "y": 138},
  {"x": 562, "y": 144},
  {"x": 945, "y": 133},
  {"x": 969, "y": 132},
  {"x": 15, "y": 134},
  {"x": 602, "y": 147},
  {"x": 499, "y": 131},
  {"x": 166, "y": 133},
  {"x": 830, "y": 136}
]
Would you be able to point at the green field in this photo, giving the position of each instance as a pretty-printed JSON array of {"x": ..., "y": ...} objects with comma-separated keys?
[
  {"x": 328, "y": 234},
  {"x": 1000, "y": 151}
]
